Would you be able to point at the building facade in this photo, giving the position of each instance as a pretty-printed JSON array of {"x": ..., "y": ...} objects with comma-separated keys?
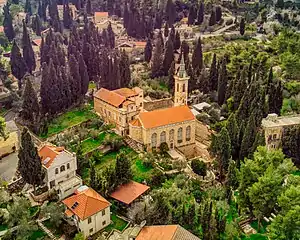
[
  {"x": 181, "y": 86},
  {"x": 88, "y": 211},
  {"x": 274, "y": 128},
  {"x": 174, "y": 126},
  {"x": 60, "y": 167},
  {"x": 119, "y": 107}
]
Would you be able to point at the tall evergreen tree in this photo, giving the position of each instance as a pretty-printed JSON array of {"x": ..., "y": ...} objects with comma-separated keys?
[
  {"x": 111, "y": 36},
  {"x": 218, "y": 13},
  {"x": 89, "y": 7},
  {"x": 8, "y": 23},
  {"x": 125, "y": 69},
  {"x": 197, "y": 57},
  {"x": 212, "y": 19},
  {"x": 75, "y": 79},
  {"x": 17, "y": 63},
  {"x": 28, "y": 53},
  {"x": 67, "y": 18},
  {"x": 126, "y": 15},
  {"x": 275, "y": 97},
  {"x": 222, "y": 83},
  {"x": 192, "y": 15},
  {"x": 213, "y": 74},
  {"x": 177, "y": 41},
  {"x": 169, "y": 56},
  {"x": 27, "y": 7},
  {"x": 30, "y": 106},
  {"x": 37, "y": 25},
  {"x": 170, "y": 12},
  {"x": 30, "y": 164},
  {"x": 166, "y": 30},
  {"x": 123, "y": 168},
  {"x": 83, "y": 75},
  {"x": 148, "y": 51},
  {"x": 242, "y": 26},
  {"x": 224, "y": 150},
  {"x": 157, "y": 58},
  {"x": 171, "y": 80},
  {"x": 200, "y": 16},
  {"x": 233, "y": 130},
  {"x": 239, "y": 88}
]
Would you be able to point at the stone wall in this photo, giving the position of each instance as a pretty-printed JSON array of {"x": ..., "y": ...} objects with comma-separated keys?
[{"x": 158, "y": 104}]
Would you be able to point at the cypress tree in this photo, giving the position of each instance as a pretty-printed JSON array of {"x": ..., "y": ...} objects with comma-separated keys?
[
  {"x": 269, "y": 80},
  {"x": 37, "y": 25},
  {"x": 157, "y": 58},
  {"x": 89, "y": 7},
  {"x": 233, "y": 130},
  {"x": 166, "y": 30},
  {"x": 171, "y": 80},
  {"x": 213, "y": 74},
  {"x": 126, "y": 15},
  {"x": 172, "y": 34},
  {"x": 224, "y": 150},
  {"x": 158, "y": 20},
  {"x": 212, "y": 19},
  {"x": 45, "y": 86},
  {"x": 67, "y": 18},
  {"x": 197, "y": 57},
  {"x": 148, "y": 51},
  {"x": 29, "y": 161},
  {"x": 17, "y": 63},
  {"x": 53, "y": 11},
  {"x": 169, "y": 56},
  {"x": 239, "y": 88},
  {"x": 75, "y": 79},
  {"x": 28, "y": 53},
  {"x": 8, "y": 23},
  {"x": 84, "y": 75},
  {"x": 30, "y": 105},
  {"x": 242, "y": 26},
  {"x": 192, "y": 15},
  {"x": 170, "y": 12},
  {"x": 64, "y": 82},
  {"x": 275, "y": 97},
  {"x": 177, "y": 41},
  {"x": 40, "y": 10},
  {"x": 200, "y": 16},
  {"x": 248, "y": 138},
  {"x": 125, "y": 69},
  {"x": 222, "y": 83},
  {"x": 111, "y": 36},
  {"x": 123, "y": 168},
  {"x": 218, "y": 13},
  {"x": 27, "y": 7},
  {"x": 250, "y": 71}
]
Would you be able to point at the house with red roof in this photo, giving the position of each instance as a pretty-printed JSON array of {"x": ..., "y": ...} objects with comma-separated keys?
[
  {"x": 88, "y": 210},
  {"x": 119, "y": 106},
  {"x": 60, "y": 167},
  {"x": 129, "y": 192},
  {"x": 100, "y": 17}
]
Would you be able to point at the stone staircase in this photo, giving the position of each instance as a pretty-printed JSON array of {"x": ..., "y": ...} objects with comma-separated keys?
[
  {"x": 46, "y": 230},
  {"x": 134, "y": 145}
]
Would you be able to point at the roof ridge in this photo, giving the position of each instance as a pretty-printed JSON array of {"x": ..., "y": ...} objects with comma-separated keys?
[{"x": 175, "y": 231}]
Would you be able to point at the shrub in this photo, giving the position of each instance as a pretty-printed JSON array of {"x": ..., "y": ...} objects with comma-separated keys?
[
  {"x": 199, "y": 167},
  {"x": 164, "y": 148},
  {"x": 229, "y": 22}
]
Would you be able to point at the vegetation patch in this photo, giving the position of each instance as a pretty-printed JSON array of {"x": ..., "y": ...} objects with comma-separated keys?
[
  {"x": 92, "y": 143},
  {"x": 140, "y": 171},
  {"x": 117, "y": 223},
  {"x": 38, "y": 234}
]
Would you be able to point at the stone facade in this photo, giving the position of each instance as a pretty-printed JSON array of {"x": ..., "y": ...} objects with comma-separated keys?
[
  {"x": 119, "y": 107},
  {"x": 181, "y": 86}
]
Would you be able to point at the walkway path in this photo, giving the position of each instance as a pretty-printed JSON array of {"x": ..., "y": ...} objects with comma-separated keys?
[{"x": 46, "y": 230}]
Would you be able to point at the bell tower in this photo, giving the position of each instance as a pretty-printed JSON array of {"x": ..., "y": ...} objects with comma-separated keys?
[{"x": 181, "y": 85}]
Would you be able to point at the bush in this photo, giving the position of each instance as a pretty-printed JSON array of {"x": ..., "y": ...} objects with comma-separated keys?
[
  {"x": 229, "y": 22},
  {"x": 164, "y": 148},
  {"x": 199, "y": 167}
]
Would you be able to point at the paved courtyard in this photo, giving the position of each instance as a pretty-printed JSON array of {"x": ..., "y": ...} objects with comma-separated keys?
[{"x": 8, "y": 166}]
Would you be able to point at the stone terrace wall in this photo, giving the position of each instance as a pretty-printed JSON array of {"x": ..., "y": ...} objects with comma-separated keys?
[{"x": 158, "y": 104}]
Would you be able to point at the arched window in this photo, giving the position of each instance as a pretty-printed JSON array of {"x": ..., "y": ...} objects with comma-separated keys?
[
  {"x": 162, "y": 137},
  {"x": 179, "y": 135},
  {"x": 154, "y": 140},
  {"x": 56, "y": 170},
  {"x": 183, "y": 88},
  {"x": 171, "y": 134},
  {"x": 68, "y": 165},
  {"x": 177, "y": 87},
  {"x": 188, "y": 133},
  {"x": 62, "y": 168}
]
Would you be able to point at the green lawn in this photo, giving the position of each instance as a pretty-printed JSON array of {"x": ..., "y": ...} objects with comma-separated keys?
[
  {"x": 38, "y": 234},
  {"x": 117, "y": 223},
  {"x": 57, "y": 232},
  {"x": 256, "y": 236},
  {"x": 140, "y": 172},
  {"x": 3, "y": 227},
  {"x": 296, "y": 173},
  {"x": 67, "y": 120},
  {"x": 91, "y": 144},
  {"x": 33, "y": 210},
  {"x": 263, "y": 226}
]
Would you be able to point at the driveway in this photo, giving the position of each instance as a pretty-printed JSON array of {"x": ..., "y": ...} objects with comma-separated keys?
[{"x": 8, "y": 166}]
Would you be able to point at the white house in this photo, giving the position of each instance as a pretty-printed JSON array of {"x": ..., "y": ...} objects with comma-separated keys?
[
  {"x": 88, "y": 210},
  {"x": 60, "y": 166}
]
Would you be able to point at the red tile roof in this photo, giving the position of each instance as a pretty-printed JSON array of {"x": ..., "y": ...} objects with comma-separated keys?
[
  {"x": 135, "y": 123},
  {"x": 48, "y": 153},
  {"x": 110, "y": 97},
  {"x": 165, "y": 232},
  {"x": 85, "y": 203},
  {"x": 101, "y": 14},
  {"x": 37, "y": 41},
  {"x": 125, "y": 92},
  {"x": 162, "y": 117},
  {"x": 140, "y": 44},
  {"x": 128, "y": 192},
  {"x": 1, "y": 29}
]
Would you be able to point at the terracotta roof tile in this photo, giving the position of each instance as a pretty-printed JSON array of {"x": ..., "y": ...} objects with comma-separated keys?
[
  {"x": 125, "y": 92},
  {"x": 166, "y": 116},
  {"x": 86, "y": 203},
  {"x": 48, "y": 153},
  {"x": 128, "y": 192},
  {"x": 101, "y": 14},
  {"x": 1, "y": 29},
  {"x": 110, "y": 97},
  {"x": 135, "y": 123},
  {"x": 140, "y": 44},
  {"x": 126, "y": 103},
  {"x": 69, "y": 213},
  {"x": 37, "y": 41},
  {"x": 165, "y": 232}
]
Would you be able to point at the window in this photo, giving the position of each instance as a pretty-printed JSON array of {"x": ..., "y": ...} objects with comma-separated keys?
[
  {"x": 52, "y": 184},
  {"x": 163, "y": 137},
  {"x": 183, "y": 88},
  {"x": 91, "y": 230},
  {"x": 68, "y": 165},
  {"x": 177, "y": 87},
  {"x": 62, "y": 168},
  {"x": 103, "y": 223},
  {"x": 103, "y": 212},
  {"x": 56, "y": 170},
  {"x": 188, "y": 133},
  {"x": 154, "y": 140},
  {"x": 89, "y": 220},
  {"x": 68, "y": 189},
  {"x": 141, "y": 104},
  {"x": 171, "y": 134},
  {"x": 179, "y": 135},
  {"x": 274, "y": 136}
]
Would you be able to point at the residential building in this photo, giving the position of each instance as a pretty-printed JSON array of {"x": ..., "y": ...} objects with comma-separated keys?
[
  {"x": 129, "y": 192},
  {"x": 60, "y": 166},
  {"x": 88, "y": 210},
  {"x": 119, "y": 106},
  {"x": 274, "y": 128},
  {"x": 165, "y": 232},
  {"x": 175, "y": 126},
  {"x": 100, "y": 17},
  {"x": 130, "y": 47},
  {"x": 181, "y": 85}
]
